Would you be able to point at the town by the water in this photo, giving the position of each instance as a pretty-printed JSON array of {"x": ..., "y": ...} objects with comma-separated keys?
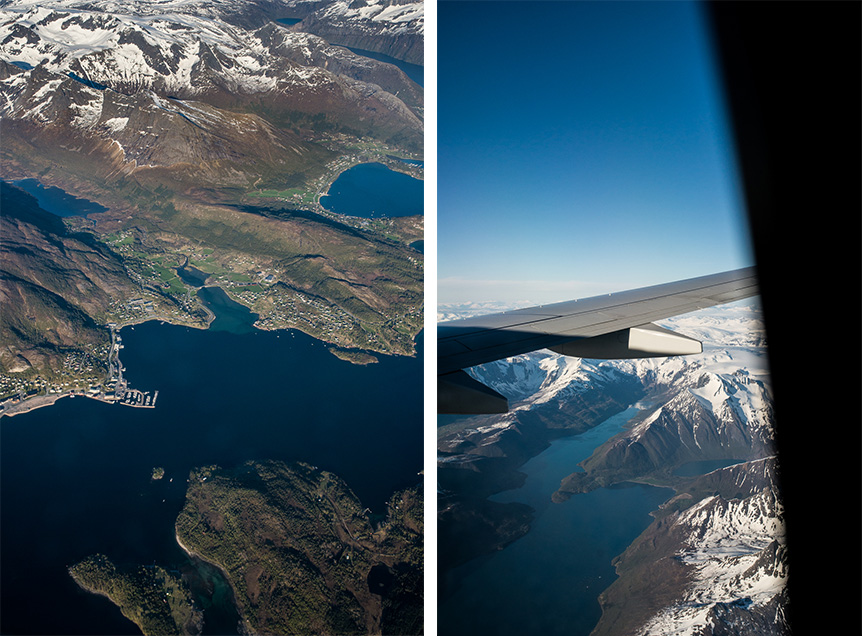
[{"x": 114, "y": 390}]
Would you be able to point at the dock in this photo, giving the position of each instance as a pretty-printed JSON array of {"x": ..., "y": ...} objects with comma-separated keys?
[{"x": 122, "y": 393}]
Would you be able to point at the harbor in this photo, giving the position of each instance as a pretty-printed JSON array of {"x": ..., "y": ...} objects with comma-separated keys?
[
  {"x": 114, "y": 390},
  {"x": 122, "y": 394}
]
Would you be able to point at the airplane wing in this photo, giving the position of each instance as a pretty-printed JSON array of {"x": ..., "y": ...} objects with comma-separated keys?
[{"x": 613, "y": 326}]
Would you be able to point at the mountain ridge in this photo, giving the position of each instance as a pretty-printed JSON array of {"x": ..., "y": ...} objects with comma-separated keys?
[
  {"x": 717, "y": 567},
  {"x": 394, "y": 27},
  {"x": 712, "y": 406},
  {"x": 208, "y": 133}
]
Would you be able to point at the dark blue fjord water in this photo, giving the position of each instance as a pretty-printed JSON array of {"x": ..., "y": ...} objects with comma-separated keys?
[
  {"x": 547, "y": 583},
  {"x": 75, "y": 478},
  {"x": 416, "y": 72},
  {"x": 372, "y": 190},
  {"x": 58, "y": 201}
]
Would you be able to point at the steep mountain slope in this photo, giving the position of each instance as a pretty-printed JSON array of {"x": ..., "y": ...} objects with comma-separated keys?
[
  {"x": 714, "y": 561},
  {"x": 177, "y": 88},
  {"x": 51, "y": 284},
  {"x": 137, "y": 137},
  {"x": 717, "y": 405},
  {"x": 718, "y": 567},
  {"x": 209, "y": 132},
  {"x": 180, "y": 53},
  {"x": 713, "y": 417},
  {"x": 710, "y": 406},
  {"x": 393, "y": 27}
]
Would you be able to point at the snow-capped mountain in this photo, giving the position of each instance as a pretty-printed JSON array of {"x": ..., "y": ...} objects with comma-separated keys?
[
  {"x": 715, "y": 557},
  {"x": 393, "y": 27},
  {"x": 716, "y": 405},
  {"x": 709, "y": 416},
  {"x": 717, "y": 567},
  {"x": 733, "y": 366},
  {"x": 129, "y": 133},
  {"x": 717, "y": 395},
  {"x": 159, "y": 84},
  {"x": 186, "y": 56},
  {"x": 181, "y": 55}
]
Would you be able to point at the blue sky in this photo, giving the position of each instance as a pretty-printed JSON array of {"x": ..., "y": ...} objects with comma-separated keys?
[{"x": 582, "y": 148}]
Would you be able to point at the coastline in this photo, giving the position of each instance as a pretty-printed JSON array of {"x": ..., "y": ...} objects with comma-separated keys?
[
  {"x": 103, "y": 593},
  {"x": 245, "y": 628},
  {"x": 359, "y": 357},
  {"x": 194, "y": 555},
  {"x": 39, "y": 401}
]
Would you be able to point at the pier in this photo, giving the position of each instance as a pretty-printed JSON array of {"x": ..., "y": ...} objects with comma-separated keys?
[
  {"x": 122, "y": 393},
  {"x": 138, "y": 399},
  {"x": 115, "y": 389}
]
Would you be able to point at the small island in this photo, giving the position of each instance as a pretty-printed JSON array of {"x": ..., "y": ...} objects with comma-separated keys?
[
  {"x": 353, "y": 355},
  {"x": 158, "y": 473},
  {"x": 157, "y": 601}
]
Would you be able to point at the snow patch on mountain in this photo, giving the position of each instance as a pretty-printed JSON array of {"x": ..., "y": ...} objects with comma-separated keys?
[
  {"x": 175, "y": 49},
  {"x": 87, "y": 114},
  {"x": 709, "y": 406},
  {"x": 393, "y": 27},
  {"x": 46, "y": 89},
  {"x": 736, "y": 393},
  {"x": 410, "y": 16},
  {"x": 39, "y": 100},
  {"x": 736, "y": 553},
  {"x": 131, "y": 51},
  {"x": 116, "y": 124},
  {"x": 171, "y": 83}
]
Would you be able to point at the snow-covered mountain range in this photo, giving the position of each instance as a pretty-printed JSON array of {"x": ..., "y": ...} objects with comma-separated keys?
[
  {"x": 167, "y": 48},
  {"x": 734, "y": 342},
  {"x": 174, "y": 83},
  {"x": 726, "y": 384},
  {"x": 393, "y": 27},
  {"x": 720, "y": 542},
  {"x": 717, "y": 567}
]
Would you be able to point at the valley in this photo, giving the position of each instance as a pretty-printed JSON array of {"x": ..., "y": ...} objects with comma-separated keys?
[
  {"x": 161, "y": 173},
  {"x": 712, "y": 406},
  {"x": 208, "y": 136}
]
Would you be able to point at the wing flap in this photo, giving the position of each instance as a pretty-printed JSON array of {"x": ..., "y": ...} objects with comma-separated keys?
[{"x": 645, "y": 341}]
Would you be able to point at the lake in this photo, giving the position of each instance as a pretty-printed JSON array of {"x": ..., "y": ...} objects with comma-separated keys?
[
  {"x": 416, "y": 72},
  {"x": 548, "y": 581},
  {"x": 372, "y": 190},
  {"x": 58, "y": 201},
  {"x": 75, "y": 478},
  {"x": 192, "y": 276}
]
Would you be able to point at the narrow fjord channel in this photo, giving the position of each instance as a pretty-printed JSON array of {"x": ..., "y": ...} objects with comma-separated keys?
[{"x": 548, "y": 581}]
